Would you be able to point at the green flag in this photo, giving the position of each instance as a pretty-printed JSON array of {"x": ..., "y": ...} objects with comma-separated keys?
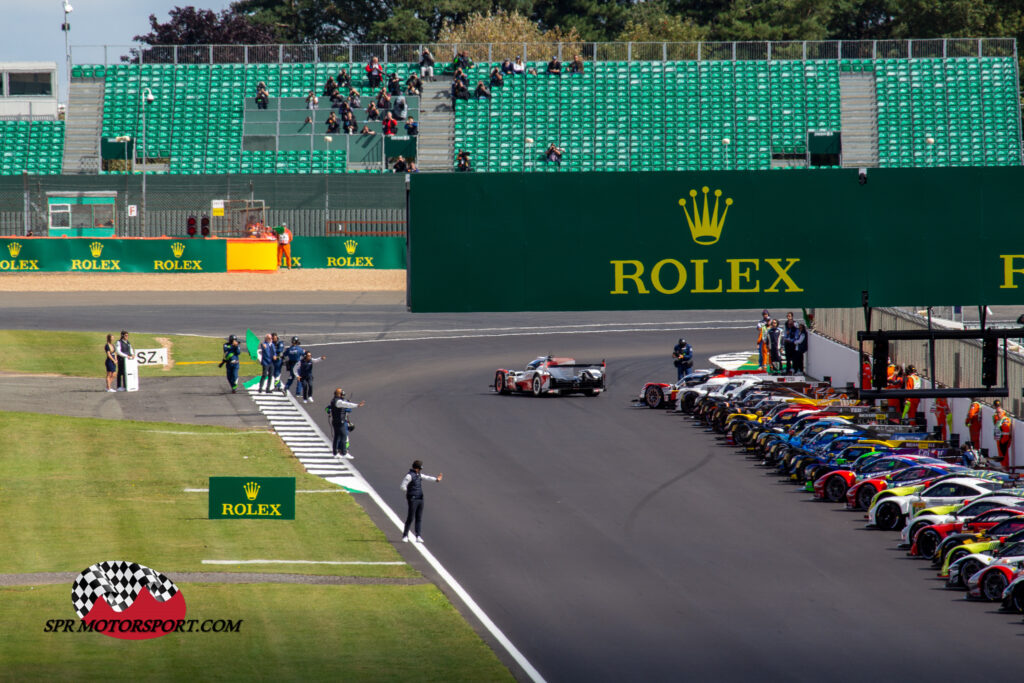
[{"x": 252, "y": 344}]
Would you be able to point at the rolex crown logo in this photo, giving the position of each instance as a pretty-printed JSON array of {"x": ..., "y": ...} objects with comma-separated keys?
[
  {"x": 350, "y": 246},
  {"x": 705, "y": 225},
  {"x": 14, "y": 248},
  {"x": 96, "y": 248},
  {"x": 177, "y": 248},
  {"x": 252, "y": 489}
]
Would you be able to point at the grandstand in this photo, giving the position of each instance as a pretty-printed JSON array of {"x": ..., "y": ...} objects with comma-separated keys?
[{"x": 728, "y": 110}]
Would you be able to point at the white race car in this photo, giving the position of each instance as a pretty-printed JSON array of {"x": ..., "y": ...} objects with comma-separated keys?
[
  {"x": 551, "y": 376},
  {"x": 891, "y": 513}
]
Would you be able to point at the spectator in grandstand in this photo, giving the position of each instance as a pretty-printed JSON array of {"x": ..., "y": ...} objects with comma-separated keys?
[
  {"x": 411, "y": 127},
  {"x": 459, "y": 91},
  {"x": 462, "y": 61},
  {"x": 262, "y": 95},
  {"x": 309, "y": 120},
  {"x": 507, "y": 68},
  {"x": 462, "y": 160},
  {"x": 497, "y": 80},
  {"x": 337, "y": 98},
  {"x": 554, "y": 154},
  {"x": 389, "y": 125},
  {"x": 413, "y": 85},
  {"x": 481, "y": 92},
  {"x": 374, "y": 72},
  {"x": 330, "y": 86},
  {"x": 399, "y": 107},
  {"x": 353, "y": 99},
  {"x": 518, "y": 67},
  {"x": 344, "y": 80},
  {"x": 366, "y": 130},
  {"x": 394, "y": 85},
  {"x": 576, "y": 67},
  {"x": 372, "y": 114},
  {"x": 427, "y": 64},
  {"x": 348, "y": 120},
  {"x": 383, "y": 100},
  {"x": 312, "y": 102},
  {"x": 400, "y": 165},
  {"x": 412, "y": 167},
  {"x": 555, "y": 66},
  {"x": 333, "y": 126}
]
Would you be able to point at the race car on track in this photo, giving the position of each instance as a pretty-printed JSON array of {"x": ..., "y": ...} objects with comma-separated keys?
[
  {"x": 892, "y": 512},
  {"x": 552, "y": 376}
]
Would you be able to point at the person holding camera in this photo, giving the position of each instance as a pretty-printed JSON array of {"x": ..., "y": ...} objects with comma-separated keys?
[
  {"x": 339, "y": 409},
  {"x": 682, "y": 358}
]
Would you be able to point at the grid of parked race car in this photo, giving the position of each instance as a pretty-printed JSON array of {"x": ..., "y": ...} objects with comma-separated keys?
[{"x": 961, "y": 514}]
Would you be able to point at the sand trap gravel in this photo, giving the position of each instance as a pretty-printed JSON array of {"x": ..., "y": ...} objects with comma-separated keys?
[{"x": 311, "y": 280}]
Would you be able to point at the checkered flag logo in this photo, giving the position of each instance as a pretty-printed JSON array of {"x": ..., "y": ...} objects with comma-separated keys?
[{"x": 119, "y": 583}]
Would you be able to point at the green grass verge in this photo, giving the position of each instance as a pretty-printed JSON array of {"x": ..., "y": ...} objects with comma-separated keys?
[
  {"x": 288, "y": 632},
  {"x": 77, "y": 491},
  {"x": 80, "y": 354}
]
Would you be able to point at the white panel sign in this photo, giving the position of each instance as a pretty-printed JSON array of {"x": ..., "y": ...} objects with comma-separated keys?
[
  {"x": 151, "y": 356},
  {"x": 131, "y": 374}
]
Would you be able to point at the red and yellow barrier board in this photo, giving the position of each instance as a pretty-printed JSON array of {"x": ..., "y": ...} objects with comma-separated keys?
[{"x": 251, "y": 254}]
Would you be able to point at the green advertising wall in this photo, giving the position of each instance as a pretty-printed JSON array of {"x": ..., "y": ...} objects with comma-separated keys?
[
  {"x": 349, "y": 252},
  {"x": 112, "y": 255},
  {"x": 623, "y": 241}
]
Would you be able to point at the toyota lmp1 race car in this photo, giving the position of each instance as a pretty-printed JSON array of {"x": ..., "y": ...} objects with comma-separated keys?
[{"x": 552, "y": 376}]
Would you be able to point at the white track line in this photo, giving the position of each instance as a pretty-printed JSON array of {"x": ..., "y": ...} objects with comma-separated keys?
[
  {"x": 528, "y": 334},
  {"x": 390, "y": 564}
]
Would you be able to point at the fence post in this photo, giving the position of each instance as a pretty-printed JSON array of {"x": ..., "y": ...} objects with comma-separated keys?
[
  {"x": 490, "y": 52},
  {"x": 350, "y": 55},
  {"x": 874, "y": 49},
  {"x": 629, "y": 51},
  {"x": 175, "y": 54},
  {"x": 664, "y": 52},
  {"x": 26, "y": 207},
  {"x": 559, "y": 51},
  {"x": 246, "y": 54},
  {"x": 210, "y": 51},
  {"x": 700, "y": 50}
]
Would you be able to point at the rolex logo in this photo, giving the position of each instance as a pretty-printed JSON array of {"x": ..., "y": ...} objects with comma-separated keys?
[
  {"x": 96, "y": 248},
  {"x": 705, "y": 225},
  {"x": 177, "y": 248},
  {"x": 14, "y": 248},
  {"x": 252, "y": 489},
  {"x": 350, "y": 246}
]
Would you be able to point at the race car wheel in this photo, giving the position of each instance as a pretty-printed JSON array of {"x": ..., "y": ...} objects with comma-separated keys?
[
  {"x": 537, "y": 386},
  {"x": 687, "y": 403},
  {"x": 741, "y": 434},
  {"x": 889, "y": 517},
  {"x": 993, "y": 585},
  {"x": 968, "y": 569},
  {"x": 499, "y": 382},
  {"x": 1017, "y": 599},
  {"x": 927, "y": 542},
  {"x": 654, "y": 397},
  {"x": 835, "y": 489},
  {"x": 864, "y": 496}
]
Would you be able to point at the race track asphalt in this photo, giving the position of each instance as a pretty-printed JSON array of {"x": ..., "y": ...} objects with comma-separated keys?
[{"x": 609, "y": 542}]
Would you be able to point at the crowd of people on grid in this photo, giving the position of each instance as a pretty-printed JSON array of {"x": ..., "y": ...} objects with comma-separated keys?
[{"x": 781, "y": 349}]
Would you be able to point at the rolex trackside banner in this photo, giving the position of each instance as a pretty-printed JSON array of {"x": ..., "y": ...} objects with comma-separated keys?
[
  {"x": 707, "y": 240},
  {"x": 382, "y": 253},
  {"x": 75, "y": 254}
]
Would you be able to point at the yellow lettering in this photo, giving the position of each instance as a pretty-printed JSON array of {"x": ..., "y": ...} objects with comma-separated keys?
[
  {"x": 275, "y": 510},
  {"x": 369, "y": 261},
  {"x": 1009, "y": 270},
  {"x": 263, "y": 509},
  {"x": 240, "y": 509},
  {"x": 737, "y": 273},
  {"x": 656, "y": 276},
  {"x": 698, "y": 287},
  {"x": 332, "y": 262},
  {"x": 226, "y": 509},
  {"x": 620, "y": 276},
  {"x": 783, "y": 274},
  {"x": 76, "y": 264},
  {"x": 297, "y": 262}
]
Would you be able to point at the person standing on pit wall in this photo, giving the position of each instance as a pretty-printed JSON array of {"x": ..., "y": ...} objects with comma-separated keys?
[
  {"x": 230, "y": 361},
  {"x": 911, "y": 381},
  {"x": 123, "y": 349},
  {"x": 284, "y": 246},
  {"x": 763, "y": 358},
  {"x": 789, "y": 333},
  {"x": 413, "y": 487},
  {"x": 973, "y": 422},
  {"x": 110, "y": 363},
  {"x": 339, "y": 409},
  {"x": 306, "y": 375},
  {"x": 682, "y": 355},
  {"x": 278, "y": 359},
  {"x": 774, "y": 337},
  {"x": 1002, "y": 431},
  {"x": 943, "y": 417},
  {"x": 799, "y": 348},
  {"x": 268, "y": 356},
  {"x": 292, "y": 355}
]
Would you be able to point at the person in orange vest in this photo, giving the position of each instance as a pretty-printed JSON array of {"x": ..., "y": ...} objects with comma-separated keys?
[
  {"x": 943, "y": 417},
  {"x": 284, "y": 246},
  {"x": 1003, "y": 432},
  {"x": 973, "y": 422},
  {"x": 763, "y": 356},
  {"x": 911, "y": 381}
]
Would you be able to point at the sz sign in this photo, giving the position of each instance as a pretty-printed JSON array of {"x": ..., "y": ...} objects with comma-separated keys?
[
  {"x": 252, "y": 498},
  {"x": 711, "y": 240}
]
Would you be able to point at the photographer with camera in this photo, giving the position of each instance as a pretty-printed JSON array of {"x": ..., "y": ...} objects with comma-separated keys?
[
  {"x": 682, "y": 355},
  {"x": 339, "y": 409}
]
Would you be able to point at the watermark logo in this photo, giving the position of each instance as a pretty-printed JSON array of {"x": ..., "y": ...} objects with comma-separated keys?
[{"x": 127, "y": 600}]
